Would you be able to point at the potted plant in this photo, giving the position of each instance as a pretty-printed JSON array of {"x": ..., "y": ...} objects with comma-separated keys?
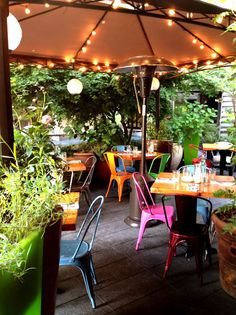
[
  {"x": 188, "y": 124},
  {"x": 224, "y": 219},
  {"x": 30, "y": 180}
]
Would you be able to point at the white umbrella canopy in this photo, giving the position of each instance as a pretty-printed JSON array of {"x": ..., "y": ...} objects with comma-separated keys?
[{"x": 63, "y": 34}]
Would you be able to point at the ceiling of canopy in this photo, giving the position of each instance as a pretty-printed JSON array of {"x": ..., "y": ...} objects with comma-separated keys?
[{"x": 95, "y": 35}]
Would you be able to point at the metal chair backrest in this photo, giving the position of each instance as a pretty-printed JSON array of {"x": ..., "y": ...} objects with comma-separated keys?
[
  {"x": 153, "y": 171},
  {"x": 90, "y": 162},
  {"x": 90, "y": 224},
  {"x": 187, "y": 215},
  {"x": 143, "y": 192},
  {"x": 112, "y": 160}
]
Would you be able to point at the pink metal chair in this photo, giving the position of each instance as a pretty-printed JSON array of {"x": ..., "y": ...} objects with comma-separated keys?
[{"x": 150, "y": 210}]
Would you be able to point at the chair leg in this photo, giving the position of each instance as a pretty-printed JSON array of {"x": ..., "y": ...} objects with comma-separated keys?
[
  {"x": 198, "y": 258},
  {"x": 170, "y": 254},
  {"x": 109, "y": 186},
  {"x": 120, "y": 189},
  {"x": 84, "y": 265},
  {"x": 92, "y": 270},
  {"x": 143, "y": 223}
]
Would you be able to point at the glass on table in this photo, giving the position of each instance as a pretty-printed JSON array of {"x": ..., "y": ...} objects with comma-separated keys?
[
  {"x": 175, "y": 176},
  {"x": 212, "y": 174},
  {"x": 135, "y": 150},
  {"x": 129, "y": 149}
]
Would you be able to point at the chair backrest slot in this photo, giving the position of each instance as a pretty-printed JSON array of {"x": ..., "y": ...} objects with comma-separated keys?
[{"x": 90, "y": 223}]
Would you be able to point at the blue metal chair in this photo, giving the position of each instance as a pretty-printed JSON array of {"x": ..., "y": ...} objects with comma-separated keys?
[
  {"x": 120, "y": 168},
  {"x": 77, "y": 252}
]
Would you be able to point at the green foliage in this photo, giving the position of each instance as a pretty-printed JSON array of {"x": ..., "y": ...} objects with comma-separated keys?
[
  {"x": 227, "y": 213},
  {"x": 190, "y": 119},
  {"x": 30, "y": 179}
]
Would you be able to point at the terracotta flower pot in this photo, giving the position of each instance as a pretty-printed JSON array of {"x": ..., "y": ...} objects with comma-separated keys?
[{"x": 227, "y": 256}]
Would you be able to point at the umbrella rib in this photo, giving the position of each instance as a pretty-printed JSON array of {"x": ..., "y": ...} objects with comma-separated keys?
[
  {"x": 82, "y": 5},
  {"x": 198, "y": 38},
  {"x": 145, "y": 34},
  {"x": 96, "y": 26}
]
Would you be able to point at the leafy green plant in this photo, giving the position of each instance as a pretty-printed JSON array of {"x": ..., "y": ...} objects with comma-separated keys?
[
  {"x": 227, "y": 213},
  {"x": 190, "y": 119}
]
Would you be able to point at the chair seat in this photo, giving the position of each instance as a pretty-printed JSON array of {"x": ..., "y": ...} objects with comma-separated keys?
[
  {"x": 129, "y": 169},
  {"x": 68, "y": 248},
  {"x": 158, "y": 209},
  {"x": 189, "y": 230}
]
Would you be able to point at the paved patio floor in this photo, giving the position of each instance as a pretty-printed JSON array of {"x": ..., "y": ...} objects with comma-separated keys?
[{"x": 130, "y": 282}]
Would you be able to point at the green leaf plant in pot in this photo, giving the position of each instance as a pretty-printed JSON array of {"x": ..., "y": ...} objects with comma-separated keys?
[
  {"x": 224, "y": 219},
  {"x": 188, "y": 124},
  {"x": 30, "y": 180}
]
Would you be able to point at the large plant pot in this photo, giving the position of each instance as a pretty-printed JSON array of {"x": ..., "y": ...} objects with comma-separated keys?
[
  {"x": 227, "y": 257},
  {"x": 24, "y": 296},
  {"x": 190, "y": 153},
  {"x": 101, "y": 175},
  {"x": 35, "y": 293},
  {"x": 176, "y": 156}
]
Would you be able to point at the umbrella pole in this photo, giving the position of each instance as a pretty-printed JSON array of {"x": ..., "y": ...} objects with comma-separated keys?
[
  {"x": 144, "y": 142},
  {"x": 6, "y": 121}
]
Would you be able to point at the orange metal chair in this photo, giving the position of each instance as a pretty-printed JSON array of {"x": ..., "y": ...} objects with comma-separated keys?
[{"x": 120, "y": 177}]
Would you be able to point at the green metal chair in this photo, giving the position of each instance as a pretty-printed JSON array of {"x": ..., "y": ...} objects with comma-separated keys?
[{"x": 158, "y": 164}]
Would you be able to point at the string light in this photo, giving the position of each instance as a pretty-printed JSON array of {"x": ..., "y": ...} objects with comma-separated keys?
[
  {"x": 171, "y": 12},
  {"x": 47, "y": 5},
  {"x": 82, "y": 69},
  {"x": 170, "y": 22},
  {"x": 94, "y": 33},
  {"x": 116, "y": 4},
  {"x": 95, "y": 62},
  {"x": 202, "y": 46},
  {"x": 88, "y": 42},
  {"x": 21, "y": 66},
  {"x": 39, "y": 66},
  {"x": 103, "y": 22},
  {"x": 51, "y": 64},
  {"x": 146, "y": 5},
  {"x": 27, "y": 10},
  {"x": 214, "y": 55},
  {"x": 195, "y": 62},
  {"x": 84, "y": 49},
  {"x": 194, "y": 41}
]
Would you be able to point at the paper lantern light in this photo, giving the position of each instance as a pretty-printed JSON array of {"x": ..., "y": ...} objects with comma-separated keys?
[
  {"x": 14, "y": 32},
  {"x": 74, "y": 86}
]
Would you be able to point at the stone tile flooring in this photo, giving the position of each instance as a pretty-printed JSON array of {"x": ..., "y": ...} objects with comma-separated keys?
[{"x": 130, "y": 282}]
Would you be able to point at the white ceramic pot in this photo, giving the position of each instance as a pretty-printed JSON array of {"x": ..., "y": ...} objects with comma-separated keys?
[{"x": 176, "y": 156}]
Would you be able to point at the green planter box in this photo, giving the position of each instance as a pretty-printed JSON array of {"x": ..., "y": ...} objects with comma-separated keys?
[
  {"x": 190, "y": 153},
  {"x": 23, "y": 297}
]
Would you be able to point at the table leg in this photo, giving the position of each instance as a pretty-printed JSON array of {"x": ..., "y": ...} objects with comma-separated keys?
[{"x": 223, "y": 154}]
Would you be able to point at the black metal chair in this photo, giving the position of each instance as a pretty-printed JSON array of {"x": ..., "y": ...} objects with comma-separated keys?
[
  {"x": 185, "y": 229},
  {"x": 77, "y": 252},
  {"x": 83, "y": 186}
]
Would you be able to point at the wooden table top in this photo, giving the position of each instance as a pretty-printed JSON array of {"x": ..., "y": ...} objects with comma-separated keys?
[
  {"x": 137, "y": 156},
  {"x": 74, "y": 165},
  {"x": 217, "y": 146},
  {"x": 165, "y": 185}
]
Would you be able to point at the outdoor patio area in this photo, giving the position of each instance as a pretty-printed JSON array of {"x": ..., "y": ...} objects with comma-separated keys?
[{"x": 130, "y": 282}]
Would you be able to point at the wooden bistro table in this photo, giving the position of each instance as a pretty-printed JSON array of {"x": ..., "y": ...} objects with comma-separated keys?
[
  {"x": 222, "y": 148},
  {"x": 164, "y": 184},
  {"x": 73, "y": 165}
]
